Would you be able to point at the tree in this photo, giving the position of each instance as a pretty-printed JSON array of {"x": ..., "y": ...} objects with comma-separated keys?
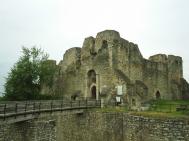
[{"x": 23, "y": 81}]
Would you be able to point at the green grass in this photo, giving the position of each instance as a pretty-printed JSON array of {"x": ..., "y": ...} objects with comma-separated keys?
[
  {"x": 112, "y": 109},
  {"x": 178, "y": 115},
  {"x": 165, "y": 109},
  {"x": 158, "y": 109},
  {"x": 153, "y": 114},
  {"x": 172, "y": 102},
  {"x": 167, "y": 106}
]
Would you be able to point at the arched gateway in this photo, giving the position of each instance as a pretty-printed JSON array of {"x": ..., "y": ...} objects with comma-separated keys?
[
  {"x": 91, "y": 84},
  {"x": 93, "y": 92}
]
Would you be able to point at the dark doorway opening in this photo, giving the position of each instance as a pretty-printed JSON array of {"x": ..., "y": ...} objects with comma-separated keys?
[
  {"x": 133, "y": 102},
  {"x": 91, "y": 77},
  {"x": 104, "y": 44},
  {"x": 93, "y": 92},
  {"x": 158, "y": 95}
]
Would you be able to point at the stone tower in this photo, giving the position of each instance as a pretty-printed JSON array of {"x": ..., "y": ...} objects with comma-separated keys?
[{"x": 108, "y": 65}]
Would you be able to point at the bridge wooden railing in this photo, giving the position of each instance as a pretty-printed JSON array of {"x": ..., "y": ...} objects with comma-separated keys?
[{"x": 17, "y": 108}]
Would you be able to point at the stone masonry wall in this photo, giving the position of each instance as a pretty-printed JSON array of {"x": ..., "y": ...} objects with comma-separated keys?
[
  {"x": 107, "y": 53},
  {"x": 121, "y": 127},
  {"x": 96, "y": 126},
  {"x": 39, "y": 130}
]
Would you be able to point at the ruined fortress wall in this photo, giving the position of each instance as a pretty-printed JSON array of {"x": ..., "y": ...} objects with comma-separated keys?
[
  {"x": 135, "y": 63},
  {"x": 175, "y": 68},
  {"x": 163, "y": 74},
  {"x": 129, "y": 60},
  {"x": 135, "y": 67},
  {"x": 104, "y": 73},
  {"x": 155, "y": 76},
  {"x": 73, "y": 83},
  {"x": 96, "y": 126},
  {"x": 107, "y": 53},
  {"x": 108, "y": 35},
  {"x": 88, "y": 48},
  {"x": 175, "y": 73},
  {"x": 71, "y": 57}
]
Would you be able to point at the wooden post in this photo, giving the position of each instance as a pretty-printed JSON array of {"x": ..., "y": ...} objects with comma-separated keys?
[
  {"x": 4, "y": 112},
  {"x": 51, "y": 106},
  {"x": 61, "y": 106},
  {"x": 25, "y": 109},
  {"x": 86, "y": 103},
  {"x": 79, "y": 103},
  {"x": 16, "y": 106},
  {"x": 33, "y": 107},
  {"x": 39, "y": 106}
]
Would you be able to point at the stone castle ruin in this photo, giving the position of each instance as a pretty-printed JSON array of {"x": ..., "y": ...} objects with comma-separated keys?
[{"x": 111, "y": 68}]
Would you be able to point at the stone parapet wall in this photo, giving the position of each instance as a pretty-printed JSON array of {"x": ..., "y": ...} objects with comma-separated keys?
[
  {"x": 96, "y": 126},
  {"x": 155, "y": 129},
  {"x": 123, "y": 127},
  {"x": 43, "y": 130}
]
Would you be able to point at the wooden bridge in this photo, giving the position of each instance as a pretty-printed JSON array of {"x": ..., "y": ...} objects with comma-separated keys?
[{"x": 23, "y": 110}]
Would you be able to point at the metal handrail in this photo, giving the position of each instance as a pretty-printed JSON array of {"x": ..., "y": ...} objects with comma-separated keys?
[{"x": 31, "y": 107}]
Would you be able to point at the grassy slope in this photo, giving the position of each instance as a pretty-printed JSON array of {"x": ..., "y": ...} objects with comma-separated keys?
[{"x": 159, "y": 109}]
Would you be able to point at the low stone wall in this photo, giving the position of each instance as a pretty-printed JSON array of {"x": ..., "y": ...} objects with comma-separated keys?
[
  {"x": 96, "y": 126},
  {"x": 153, "y": 129},
  {"x": 28, "y": 131}
]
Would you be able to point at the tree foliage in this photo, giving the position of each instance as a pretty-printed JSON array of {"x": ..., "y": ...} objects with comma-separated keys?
[
  {"x": 48, "y": 69},
  {"x": 23, "y": 81}
]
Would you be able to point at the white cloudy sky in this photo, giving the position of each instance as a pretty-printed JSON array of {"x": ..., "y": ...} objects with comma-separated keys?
[{"x": 157, "y": 26}]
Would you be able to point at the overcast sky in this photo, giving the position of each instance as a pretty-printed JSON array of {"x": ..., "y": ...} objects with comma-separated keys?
[{"x": 157, "y": 26}]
